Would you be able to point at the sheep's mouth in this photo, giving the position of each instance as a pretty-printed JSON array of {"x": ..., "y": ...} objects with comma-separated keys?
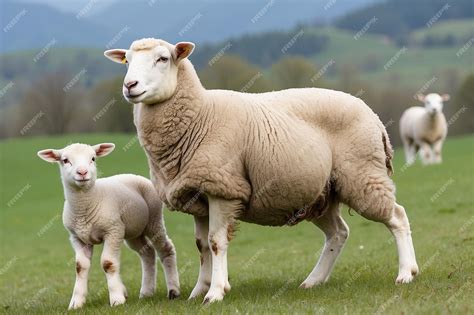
[
  {"x": 83, "y": 180},
  {"x": 132, "y": 96}
]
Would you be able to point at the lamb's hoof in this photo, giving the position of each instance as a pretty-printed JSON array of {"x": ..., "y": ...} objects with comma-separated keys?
[
  {"x": 173, "y": 294},
  {"x": 77, "y": 302},
  {"x": 213, "y": 296}
]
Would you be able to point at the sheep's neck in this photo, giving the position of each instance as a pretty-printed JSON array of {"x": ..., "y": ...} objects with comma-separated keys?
[
  {"x": 432, "y": 119},
  {"x": 82, "y": 201},
  {"x": 169, "y": 130}
]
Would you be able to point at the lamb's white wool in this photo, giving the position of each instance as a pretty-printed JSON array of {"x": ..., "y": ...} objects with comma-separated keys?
[
  {"x": 424, "y": 129},
  {"x": 271, "y": 159},
  {"x": 110, "y": 210}
]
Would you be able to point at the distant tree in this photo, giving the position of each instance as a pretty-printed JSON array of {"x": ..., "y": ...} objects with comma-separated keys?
[
  {"x": 293, "y": 72},
  {"x": 462, "y": 107},
  {"x": 108, "y": 110},
  {"x": 50, "y": 105},
  {"x": 233, "y": 73}
]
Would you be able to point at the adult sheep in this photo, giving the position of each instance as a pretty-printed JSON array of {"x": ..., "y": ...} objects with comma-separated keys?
[
  {"x": 271, "y": 159},
  {"x": 425, "y": 129}
]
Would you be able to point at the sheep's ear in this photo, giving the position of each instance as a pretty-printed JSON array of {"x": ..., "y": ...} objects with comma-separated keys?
[
  {"x": 103, "y": 149},
  {"x": 420, "y": 97},
  {"x": 445, "y": 97},
  {"x": 116, "y": 55},
  {"x": 183, "y": 50},
  {"x": 50, "y": 155}
]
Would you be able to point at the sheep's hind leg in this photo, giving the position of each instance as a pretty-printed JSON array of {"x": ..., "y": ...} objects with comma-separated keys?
[
  {"x": 167, "y": 253},
  {"x": 336, "y": 232},
  {"x": 148, "y": 259},
  {"x": 201, "y": 231},
  {"x": 377, "y": 203}
]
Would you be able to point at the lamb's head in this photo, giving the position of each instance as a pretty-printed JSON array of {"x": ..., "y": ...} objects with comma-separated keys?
[
  {"x": 152, "y": 73},
  {"x": 433, "y": 102},
  {"x": 77, "y": 162}
]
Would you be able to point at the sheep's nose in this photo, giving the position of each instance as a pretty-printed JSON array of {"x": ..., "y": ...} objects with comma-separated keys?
[
  {"x": 81, "y": 171},
  {"x": 130, "y": 84}
]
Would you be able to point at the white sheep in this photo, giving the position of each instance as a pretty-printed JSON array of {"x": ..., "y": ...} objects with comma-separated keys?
[
  {"x": 271, "y": 159},
  {"x": 424, "y": 129},
  {"x": 109, "y": 210}
]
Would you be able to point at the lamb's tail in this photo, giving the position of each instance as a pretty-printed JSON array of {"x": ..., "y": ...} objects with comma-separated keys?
[{"x": 388, "y": 151}]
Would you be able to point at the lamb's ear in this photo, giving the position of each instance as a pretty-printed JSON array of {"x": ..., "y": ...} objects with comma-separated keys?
[
  {"x": 183, "y": 50},
  {"x": 103, "y": 149},
  {"x": 116, "y": 55},
  {"x": 445, "y": 97},
  {"x": 420, "y": 97},
  {"x": 50, "y": 155}
]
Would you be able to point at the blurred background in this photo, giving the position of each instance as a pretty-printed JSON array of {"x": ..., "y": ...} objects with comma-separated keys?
[{"x": 55, "y": 80}]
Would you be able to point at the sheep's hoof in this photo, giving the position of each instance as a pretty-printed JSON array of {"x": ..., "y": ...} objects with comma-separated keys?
[
  {"x": 146, "y": 294},
  {"x": 198, "y": 291},
  {"x": 173, "y": 294},
  {"x": 76, "y": 303},
  {"x": 213, "y": 296}
]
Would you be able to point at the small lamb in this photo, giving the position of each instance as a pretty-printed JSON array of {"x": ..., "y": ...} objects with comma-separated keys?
[
  {"x": 109, "y": 210},
  {"x": 424, "y": 129}
]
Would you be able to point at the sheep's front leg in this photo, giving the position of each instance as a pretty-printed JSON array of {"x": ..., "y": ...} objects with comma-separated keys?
[
  {"x": 201, "y": 232},
  {"x": 426, "y": 154},
  {"x": 221, "y": 220},
  {"x": 110, "y": 261},
  {"x": 437, "y": 151},
  {"x": 83, "y": 263}
]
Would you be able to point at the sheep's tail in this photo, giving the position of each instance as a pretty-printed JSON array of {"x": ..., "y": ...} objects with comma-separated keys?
[{"x": 388, "y": 151}]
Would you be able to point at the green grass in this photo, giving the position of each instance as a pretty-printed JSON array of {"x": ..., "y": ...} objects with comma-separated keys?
[
  {"x": 412, "y": 69},
  {"x": 461, "y": 29},
  {"x": 266, "y": 265}
]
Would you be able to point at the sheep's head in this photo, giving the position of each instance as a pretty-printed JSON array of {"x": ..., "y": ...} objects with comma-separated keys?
[
  {"x": 77, "y": 162},
  {"x": 152, "y": 73},
  {"x": 433, "y": 102}
]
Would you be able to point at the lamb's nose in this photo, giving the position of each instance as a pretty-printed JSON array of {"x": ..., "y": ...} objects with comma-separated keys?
[
  {"x": 130, "y": 84},
  {"x": 81, "y": 171}
]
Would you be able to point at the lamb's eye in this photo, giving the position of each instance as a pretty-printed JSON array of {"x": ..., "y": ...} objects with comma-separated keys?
[
  {"x": 65, "y": 161},
  {"x": 162, "y": 59},
  {"x": 93, "y": 159}
]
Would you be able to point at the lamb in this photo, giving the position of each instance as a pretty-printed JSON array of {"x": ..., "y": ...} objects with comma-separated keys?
[
  {"x": 109, "y": 210},
  {"x": 272, "y": 159},
  {"x": 424, "y": 129}
]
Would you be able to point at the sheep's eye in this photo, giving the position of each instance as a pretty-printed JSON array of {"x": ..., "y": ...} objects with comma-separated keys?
[
  {"x": 65, "y": 161},
  {"x": 93, "y": 159},
  {"x": 162, "y": 59}
]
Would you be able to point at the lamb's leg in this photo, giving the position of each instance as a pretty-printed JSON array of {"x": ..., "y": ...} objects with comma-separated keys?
[
  {"x": 83, "y": 263},
  {"x": 437, "y": 151},
  {"x": 336, "y": 232},
  {"x": 221, "y": 219},
  {"x": 110, "y": 261},
  {"x": 201, "y": 231},
  {"x": 148, "y": 259},
  {"x": 167, "y": 253}
]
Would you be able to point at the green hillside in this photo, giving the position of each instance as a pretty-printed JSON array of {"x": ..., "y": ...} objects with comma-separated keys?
[{"x": 37, "y": 269}]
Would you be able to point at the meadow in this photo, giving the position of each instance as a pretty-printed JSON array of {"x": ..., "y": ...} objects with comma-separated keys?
[{"x": 266, "y": 265}]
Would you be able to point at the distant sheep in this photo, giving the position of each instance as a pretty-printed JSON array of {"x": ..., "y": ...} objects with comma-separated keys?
[
  {"x": 272, "y": 159},
  {"x": 424, "y": 129},
  {"x": 109, "y": 210}
]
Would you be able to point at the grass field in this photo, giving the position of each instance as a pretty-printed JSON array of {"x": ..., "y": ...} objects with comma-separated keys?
[{"x": 266, "y": 265}]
